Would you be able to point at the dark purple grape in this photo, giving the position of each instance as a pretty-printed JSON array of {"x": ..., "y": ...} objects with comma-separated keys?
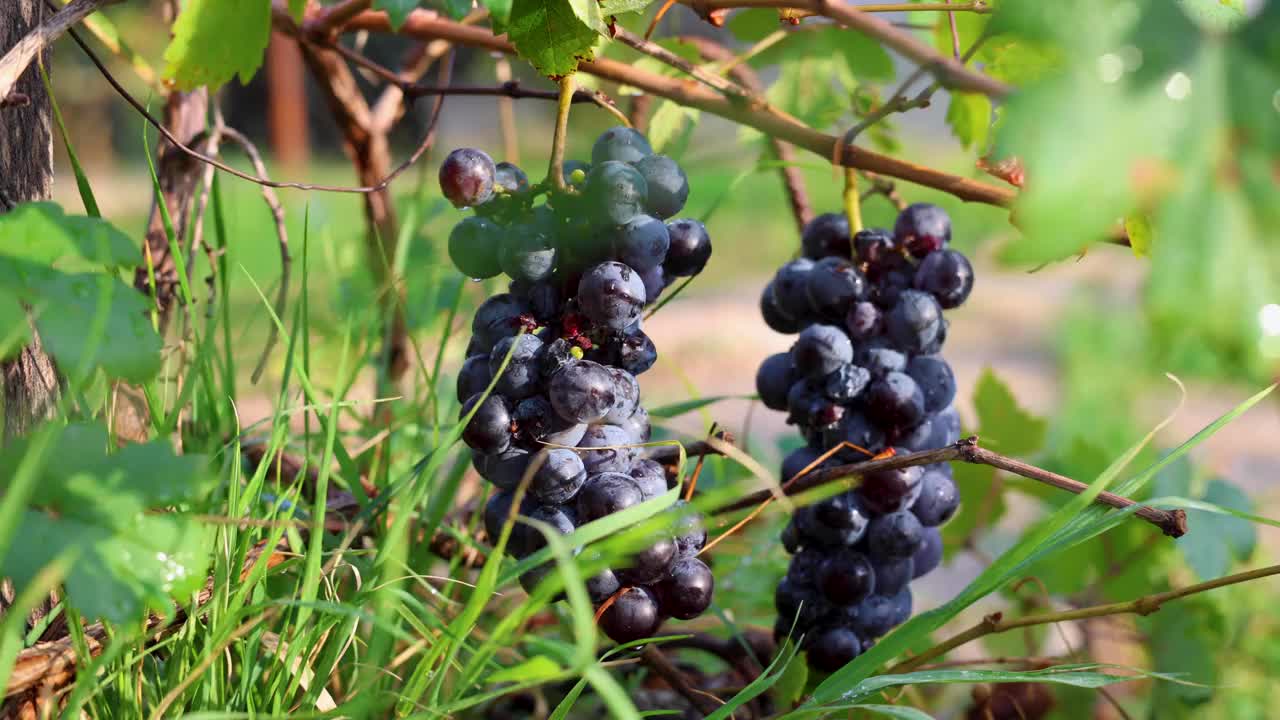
[
  {"x": 791, "y": 540},
  {"x": 886, "y": 491},
  {"x": 582, "y": 392},
  {"x": 473, "y": 376},
  {"x": 914, "y": 322},
  {"x": 891, "y": 283},
  {"x": 809, "y": 408},
  {"x": 642, "y": 243},
  {"x": 921, "y": 437},
  {"x": 523, "y": 374},
  {"x": 820, "y": 350},
  {"x": 803, "y": 569},
  {"x": 876, "y": 616},
  {"x": 634, "y": 615},
  {"x": 825, "y": 236},
  {"x": 489, "y": 430},
  {"x": 611, "y": 295},
  {"x": 474, "y": 245},
  {"x": 947, "y": 275},
  {"x": 777, "y": 320},
  {"x": 797, "y": 460},
  {"x": 559, "y": 478},
  {"x": 844, "y": 511},
  {"x": 895, "y": 401},
  {"x": 496, "y": 512},
  {"x": 846, "y": 383},
  {"x": 528, "y": 253},
  {"x": 466, "y": 177},
  {"x": 571, "y": 166},
  {"x": 655, "y": 281},
  {"x": 622, "y": 144},
  {"x": 846, "y": 577},
  {"x": 650, "y": 476},
  {"x": 602, "y": 586},
  {"x": 605, "y": 494},
  {"x": 928, "y": 556},
  {"x": 922, "y": 228},
  {"x": 880, "y": 360},
  {"x": 616, "y": 191},
  {"x": 690, "y": 248},
  {"x": 637, "y": 426},
  {"x": 505, "y": 470},
  {"x": 788, "y": 596},
  {"x": 874, "y": 246},
  {"x": 936, "y": 381},
  {"x": 832, "y": 287},
  {"x": 774, "y": 380},
  {"x": 815, "y": 532},
  {"x": 686, "y": 592},
  {"x": 946, "y": 427},
  {"x": 650, "y": 564},
  {"x": 939, "y": 498},
  {"x": 790, "y": 288},
  {"x": 895, "y": 535},
  {"x": 543, "y": 298},
  {"x": 667, "y": 183},
  {"x": 892, "y": 574},
  {"x": 558, "y": 354},
  {"x": 901, "y": 605},
  {"x": 510, "y": 177},
  {"x": 626, "y": 396},
  {"x": 636, "y": 353},
  {"x": 863, "y": 321},
  {"x": 834, "y": 648},
  {"x": 691, "y": 533},
  {"x": 611, "y": 457},
  {"x": 498, "y": 317},
  {"x": 856, "y": 429},
  {"x": 560, "y": 519}
]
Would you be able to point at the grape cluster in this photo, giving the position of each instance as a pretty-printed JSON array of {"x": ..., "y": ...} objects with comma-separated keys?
[
  {"x": 583, "y": 264},
  {"x": 864, "y": 375}
]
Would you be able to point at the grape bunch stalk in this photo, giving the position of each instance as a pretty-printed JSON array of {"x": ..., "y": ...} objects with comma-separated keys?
[
  {"x": 864, "y": 376},
  {"x": 566, "y": 411}
]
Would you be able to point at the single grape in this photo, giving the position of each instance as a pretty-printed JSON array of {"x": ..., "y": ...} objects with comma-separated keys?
[
  {"x": 790, "y": 288},
  {"x": 637, "y": 426},
  {"x": 559, "y": 478},
  {"x": 602, "y": 586},
  {"x": 791, "y": 540},
  {"x": 914, "y": 322},
  {"x": 616, "y": 191},
  {"x": 833, "y": 649},
  {"x": 642, "y": 243},
  {"x": 886, "y": 491},
  {"x": 622, "y": 144},
  {"x": 505, "y": 470},
  {"x": 559, "y": 353},
  {"x": 947, "y": 275},
  {"x": 686, "y": 592},
  {"x": 809, "y": 408},
  {"x": 650, "y": 476},
  {"x": 922, "y": 228},
  {"x": 936, "y": 381},
  {"x": 510, "y": 177},
  {"x": 496, "y": 512},
  {"x": 928, "y": 556},
  {"x": 939, "y": 498},
  {"x": 901, "y": 604},
  {"x": 875, "y": 616},
  {"x": 946, "y": 427},
  {"x": 650, "y": 564},
  {"x": 774, "y": 380},
  {"x": 833, "y": 286},
  {"x": 874, "y": 246},
  {"x": 825, "y": 236},
  {"x": 892, "y": 574},
  {"x": 880, "y": 360},
  {"x": 473, "y": 376},
  {"x": 845, "y": 511},
  {"x": 804, "y": 567},
  {"x": 489, "y": 430},
  {"x": 605, "y": 494},
  {"x": 863, "y": 321},
  {"x": 543, "y": 298},
  {"x": 691, "y": 533},
  {"x": 523, "y": 375},
  {"x": 921, "y": 437},
  {"x": 846, "y": 577},
  {"x": 895, "y": 401},
  {"x": 690, "y": 248},
  {"x": 466, "y": 177},
  {"x": 788, "y": 596},
  {"x": 891, "y": 283},
  {"x": 611, "y": 456},
  {"x": 799, "y": 459},
  {"x": 636, "y": 353},
  {"x": 582, "y": 392},
  {"x": 527, "y": 253},
  {"x": 895, "y": 535},
  {"x": 498, "y": 317},
  {"x": 626, "y": 396},
  {"x": 818, "y": 533},
  {"x": 474, "y": 244},
  {"x": 856, "y": 429},
  {"x": 777, "y": 320},
  {"x": 611, "y": 295},
  {"x": 634, "y": 615},
  {"x": 821, "y": 350},
  {"x": 655, "y": 281},
  {"x": 559, "y": 518},
  {"x": 667, "y": 183},
  {"x": 846, "y": 383}
]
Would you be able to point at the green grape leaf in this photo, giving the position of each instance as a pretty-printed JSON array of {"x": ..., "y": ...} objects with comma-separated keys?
[
  {"x": 455, "y": 9},
  {"x": 97, "y": 506},
  {"x": 200, "y": 53},
  {"x": 1184, "y": 639},
  {"x": 499, "y": 14},
  {"x": 297, "y": 8},
  {"x": 864, "y": 58},
  {"x": 397, "y": 10},
  {"x": 969, "y": 117},
  {"x": 1137, "y": 226},
  {"x": 1216, "y": 542},
  {"x": 15, "y": 332},
  {"x": 979, "y": 505},
  {"x": 670, "y": 127},
  {"x": 790, "y": 686},
  {"x": 618, "y": 7},
  {"x": 1004, "y": 426},
  {"x": 40, "y": 233},
  {"x": 754, "y": 24},
  {"x": 552, "y": 36}
]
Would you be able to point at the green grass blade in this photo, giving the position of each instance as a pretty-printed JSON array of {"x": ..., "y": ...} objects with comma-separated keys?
[{"x": 82, "y": 180}]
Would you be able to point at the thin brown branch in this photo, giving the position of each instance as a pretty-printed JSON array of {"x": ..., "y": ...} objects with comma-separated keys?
[
  {"x": 19, "y": 57},
  {"x": 656, "y": 51},
  {"x": 658, "y": 662},
  {"x": 325, "y": 20},
  {"x": 1172, "y": 523},
  {"x": 670, "y": 455},
  {"x": 426, "y": 25},
  {"x": 1145, "y": 605}
]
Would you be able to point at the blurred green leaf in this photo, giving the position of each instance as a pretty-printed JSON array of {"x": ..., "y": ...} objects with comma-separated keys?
[
  {"x": 969, "y": 117},
  {"x": 553, "y": 35},
  {"x": 397, "y": 10},
  {"x": 1137, "y": 226},
  {"x": 680, "y": 408},
  {"x": 1185, "y": 637},
  {"x": 795, "y": 676},
  {"x": 1215, "y": 542},
  {"x": 538, "y": 667},
  {"x": 980, "y": 504},
  {"x": 201, "y": 51},
  {"x": 753, "y": 24},
  {"x": 1003, "y": 425},
  {"x": 14, "y": 330},
  {"x": 296, "y": 8},
  {"x": 43, "y": 234},
  {"x": 618, "y": 7},
  {"x": 499, "y": 14},
  {"x": 670, "y": 127}
]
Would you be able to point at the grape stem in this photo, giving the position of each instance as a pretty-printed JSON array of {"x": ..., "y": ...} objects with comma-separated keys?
[
  {"x": 852, "y": 200},
  {"x": 555, "y": 173},
  {"x": 1172, "y": 522}
]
